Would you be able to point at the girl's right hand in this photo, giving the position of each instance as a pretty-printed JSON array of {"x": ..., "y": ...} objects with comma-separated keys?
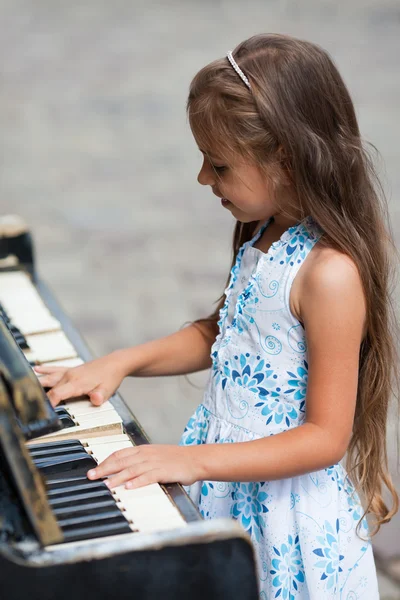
[{"x": 98, "y": 379}]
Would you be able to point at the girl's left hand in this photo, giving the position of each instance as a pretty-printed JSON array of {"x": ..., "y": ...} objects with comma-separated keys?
[{"x": 150, "y": 463}]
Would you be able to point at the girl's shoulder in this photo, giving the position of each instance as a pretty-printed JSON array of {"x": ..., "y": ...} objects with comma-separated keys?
[{"x": 328, "y": 268}]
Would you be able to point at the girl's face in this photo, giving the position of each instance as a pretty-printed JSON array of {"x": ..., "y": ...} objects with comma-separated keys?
[{"x": 245, "y": 190}]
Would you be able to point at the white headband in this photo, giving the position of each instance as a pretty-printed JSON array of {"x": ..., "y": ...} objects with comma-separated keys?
[{"x": 238, "y": 69}]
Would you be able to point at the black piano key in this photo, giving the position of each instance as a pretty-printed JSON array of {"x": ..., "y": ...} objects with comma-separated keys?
[
  {"x": 65, "y": 481},
  {"x": 67, "y": 421},
  {"x": 84, "y": 498},
  {"x": 58, "y": 456},
  {"x": 80, "y": 488},
  {"x": 55, "y": 452},
  {"x": 21, "y": 340},
  {"x": 86, "y": 533},
  {"x": 86, "y": 509},
  {"x": 81, "y": 464},
  {"x": 58, "y": 444},
  {"x": 111, "y": 516},
  {"x": 63, "y": 412}
]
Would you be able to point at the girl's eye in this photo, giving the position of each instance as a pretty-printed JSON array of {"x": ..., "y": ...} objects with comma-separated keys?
[{"x": 219, "y": 169}]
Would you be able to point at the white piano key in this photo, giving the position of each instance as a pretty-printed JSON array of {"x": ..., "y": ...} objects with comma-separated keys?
[
  {"x": 46, "y": 347},
  {"x": 77, "y": 408},
  {"x": 30, "y": 322},
  {"x": 153, "y": 504},
  {"x": 101, "y": 452},
  {"x": 153, "y": 489},
  {"x": 146, "y": 493},
  {"x": 122, "y": 437},
  {"x": 24, "y": 305},
  {"x": 151, "y": 513},
  {"x": 102, "y": 419}
]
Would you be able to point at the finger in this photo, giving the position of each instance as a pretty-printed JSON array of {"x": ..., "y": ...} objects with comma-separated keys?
[
  {"x": 61, "y": 392},
  {"x": 50, "y": 380},
  {"x": 153, "y": 476},
  {"x": 131, "y": 472},
  {"x": 46, "y": 369},
  {"x": 115, "y": 463},
  {"x": 98, "y": 396}
]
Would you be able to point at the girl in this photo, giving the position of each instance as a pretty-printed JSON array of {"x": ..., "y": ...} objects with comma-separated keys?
[{"x": 300, "y": 347}]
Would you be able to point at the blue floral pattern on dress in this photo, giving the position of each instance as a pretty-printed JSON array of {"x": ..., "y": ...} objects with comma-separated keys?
[
  {"x": 250, "y": 506},
  {"x": 246, "y": 371},
  {"x": 298, "y": 384},
  {"x": 287, "y": 568},
  {"x": 296, "y": 243},
  {"x": 277, "y": 410},
  {"x": 330, "y": 556},
  {"x": 335, "y": 475},
  {"x": 195, "y": 431},
  {"x": 246, "y": 309},
  {"x": 353, "y": 501}
]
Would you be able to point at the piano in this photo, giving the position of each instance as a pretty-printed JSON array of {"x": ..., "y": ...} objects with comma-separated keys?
[{"x": 63, "y": 536}]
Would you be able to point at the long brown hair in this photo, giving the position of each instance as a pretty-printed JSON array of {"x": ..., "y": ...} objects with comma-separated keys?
[{"x": 299, "y": 115}]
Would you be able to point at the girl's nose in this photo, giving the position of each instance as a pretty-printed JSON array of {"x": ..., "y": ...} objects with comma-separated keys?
[{"x": 206, "y": 175}]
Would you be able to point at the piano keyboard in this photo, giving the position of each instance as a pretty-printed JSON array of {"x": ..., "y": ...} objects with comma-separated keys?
[
  {"x": 84, "y": 509},
  {"x": 87, "y": 509},
  {"x": 42, "y": 340},
  {"x": 50, "y": 348}
]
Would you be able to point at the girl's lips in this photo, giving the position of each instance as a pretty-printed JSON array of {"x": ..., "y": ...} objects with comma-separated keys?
[{"x": 224, "y": 202}]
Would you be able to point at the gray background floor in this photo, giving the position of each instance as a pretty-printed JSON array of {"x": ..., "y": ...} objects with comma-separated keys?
[{"x": 96, "y": 154}]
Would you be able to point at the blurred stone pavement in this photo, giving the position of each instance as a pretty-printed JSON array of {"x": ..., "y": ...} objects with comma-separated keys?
[{"x": 96, "y": 154}]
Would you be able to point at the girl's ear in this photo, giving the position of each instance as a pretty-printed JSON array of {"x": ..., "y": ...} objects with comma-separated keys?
[
  {"x": 285, "y": 178},
  {"x": 282, "y": 159}
]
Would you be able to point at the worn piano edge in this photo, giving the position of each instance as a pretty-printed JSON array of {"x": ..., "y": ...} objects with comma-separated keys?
[
  {"x": 200, "y": 532},
  {"x": 132, "y": 427}
]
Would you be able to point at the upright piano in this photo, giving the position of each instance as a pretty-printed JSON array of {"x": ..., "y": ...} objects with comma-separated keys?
[{"x": 61, "y": 535}]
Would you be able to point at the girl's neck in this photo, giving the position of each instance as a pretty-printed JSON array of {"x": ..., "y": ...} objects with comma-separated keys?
[{"x": 283, "y": 222}]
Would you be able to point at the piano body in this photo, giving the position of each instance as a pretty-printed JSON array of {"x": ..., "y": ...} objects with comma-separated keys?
[{"x": 61, "y": 535}]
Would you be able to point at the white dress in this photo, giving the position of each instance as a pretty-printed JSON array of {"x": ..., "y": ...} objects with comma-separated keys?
[{"x": 302, "y": 528}]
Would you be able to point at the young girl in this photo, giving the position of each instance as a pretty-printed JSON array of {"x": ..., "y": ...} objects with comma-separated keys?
[{"x": 300, "y": 347}]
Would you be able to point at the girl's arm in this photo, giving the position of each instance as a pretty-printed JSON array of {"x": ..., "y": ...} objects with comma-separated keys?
[
  {"x": 332, "y": 307},
  {"x": 185, "y": 351}
]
